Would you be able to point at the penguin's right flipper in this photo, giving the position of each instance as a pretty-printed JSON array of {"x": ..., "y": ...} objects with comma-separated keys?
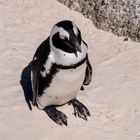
[
  {"x": 35, "y": 73},
  {"x": 56, "y": 115}
]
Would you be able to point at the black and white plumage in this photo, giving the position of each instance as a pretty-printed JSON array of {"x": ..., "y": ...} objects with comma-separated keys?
[{"x": 60, "y": 68}]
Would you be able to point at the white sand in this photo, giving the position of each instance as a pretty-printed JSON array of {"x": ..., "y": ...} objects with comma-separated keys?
[{"x": 113, "y": 97}]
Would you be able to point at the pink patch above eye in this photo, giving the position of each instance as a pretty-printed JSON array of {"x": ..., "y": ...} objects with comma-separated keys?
[{"x": 63, "y": 37}]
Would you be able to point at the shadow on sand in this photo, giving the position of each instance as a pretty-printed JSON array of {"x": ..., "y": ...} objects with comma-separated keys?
[{"x": 26, "y": 84}]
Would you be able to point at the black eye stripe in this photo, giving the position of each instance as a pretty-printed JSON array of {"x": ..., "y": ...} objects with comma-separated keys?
[{"x": 60, "y": 44}]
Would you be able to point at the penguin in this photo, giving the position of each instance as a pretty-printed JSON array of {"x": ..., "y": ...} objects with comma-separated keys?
[{"x": 59, "y": 69}]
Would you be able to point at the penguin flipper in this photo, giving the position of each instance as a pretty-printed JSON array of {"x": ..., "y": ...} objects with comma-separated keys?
[
  {"x": 35, "y": 80},
  {"x": 88, "y": 75}
]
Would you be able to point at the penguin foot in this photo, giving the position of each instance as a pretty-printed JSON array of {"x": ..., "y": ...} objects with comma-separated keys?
[
  {"x": 56, "y": 115},
  {"x": 79, "y": 109}
]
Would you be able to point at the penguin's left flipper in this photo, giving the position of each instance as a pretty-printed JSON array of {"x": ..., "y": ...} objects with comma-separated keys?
[
  {"x": 88, "y": 75},
  {"x": 35, "y": 69},
  {"x": 79, "y": 109},
  {"x": 56, "y": 115}
]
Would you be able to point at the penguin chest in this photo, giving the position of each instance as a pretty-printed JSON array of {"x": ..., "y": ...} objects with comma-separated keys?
[{"x": 64, "y": 86}]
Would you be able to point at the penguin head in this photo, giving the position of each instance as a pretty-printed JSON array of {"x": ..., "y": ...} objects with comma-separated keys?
[{"x": 66, "y": 36}]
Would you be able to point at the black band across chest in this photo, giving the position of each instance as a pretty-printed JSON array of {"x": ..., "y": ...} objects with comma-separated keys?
[{"x": 73, "y": 66}]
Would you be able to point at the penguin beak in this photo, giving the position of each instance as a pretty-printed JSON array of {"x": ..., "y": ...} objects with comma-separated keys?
[
  {"x": 75, "y": 43},
  {"x": 78, "y": 47}
]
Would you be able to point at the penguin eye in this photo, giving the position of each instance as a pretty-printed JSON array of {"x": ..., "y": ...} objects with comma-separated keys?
[{"x": 66, "y": 39}]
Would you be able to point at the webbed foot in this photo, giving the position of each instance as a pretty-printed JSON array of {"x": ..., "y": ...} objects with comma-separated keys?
[
  {"x": 56, "y": 115},
  {"x": 79, "y": 109}
]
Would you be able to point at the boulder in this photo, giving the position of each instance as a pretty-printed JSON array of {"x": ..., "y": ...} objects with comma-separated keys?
[{"x": 121, "y": 17}]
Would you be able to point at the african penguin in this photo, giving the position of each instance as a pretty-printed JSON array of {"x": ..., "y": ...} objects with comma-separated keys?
[{"x": 60, "y": 68}]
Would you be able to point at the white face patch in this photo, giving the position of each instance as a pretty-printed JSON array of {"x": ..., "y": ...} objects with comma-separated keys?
[{"x": 63, "y": 33}]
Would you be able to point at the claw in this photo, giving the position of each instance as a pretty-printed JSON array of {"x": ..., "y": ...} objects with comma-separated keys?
[{"x": 82, "y": 88}]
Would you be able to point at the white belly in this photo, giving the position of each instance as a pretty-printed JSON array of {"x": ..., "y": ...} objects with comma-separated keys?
[{"x": 64, "y": 87}]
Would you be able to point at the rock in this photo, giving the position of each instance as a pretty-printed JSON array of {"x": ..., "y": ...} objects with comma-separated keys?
[{"x": 122, "y": 17}]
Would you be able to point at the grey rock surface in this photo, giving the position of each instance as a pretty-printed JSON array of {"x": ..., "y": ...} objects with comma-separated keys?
[{"x": 121, "y": 17}]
